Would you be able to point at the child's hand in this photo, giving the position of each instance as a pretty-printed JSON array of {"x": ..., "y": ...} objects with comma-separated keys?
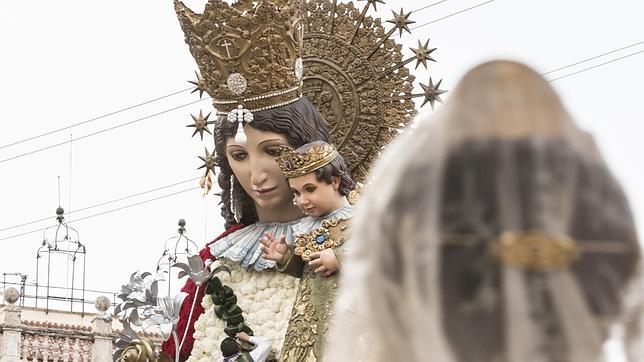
[
  {"x": 325, "y": 262},
  {"x": 273, "y": 249}
]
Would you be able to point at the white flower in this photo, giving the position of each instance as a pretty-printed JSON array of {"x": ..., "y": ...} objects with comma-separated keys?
[
  {"x": 280, "y": 289},
  {"x": 261, "y": 283},
  {"x": 277, "y": 307}
]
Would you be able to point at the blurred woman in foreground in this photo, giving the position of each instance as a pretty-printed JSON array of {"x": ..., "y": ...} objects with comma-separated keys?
[{"x": 493, "y": 232}]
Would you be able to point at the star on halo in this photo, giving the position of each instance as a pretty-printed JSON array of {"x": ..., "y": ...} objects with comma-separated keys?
[
  {"x": 201, "y": 124},
  {"x": 209, "y": 161},
  {"x": 422, "y": 54},
  {"x": 401, "y": 21},
  {"x": 374, "y": 2},
  {"x": 432, "y": 93},
  {"x": 200, "y": 85}
]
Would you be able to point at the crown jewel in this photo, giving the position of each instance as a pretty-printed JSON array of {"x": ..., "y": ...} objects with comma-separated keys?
[
  {"x": 249, "y": 53},
  {"x": 295, "y": 164}
]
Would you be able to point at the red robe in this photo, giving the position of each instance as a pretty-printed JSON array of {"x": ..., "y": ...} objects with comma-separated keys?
[{"x": 190, "y": 288}]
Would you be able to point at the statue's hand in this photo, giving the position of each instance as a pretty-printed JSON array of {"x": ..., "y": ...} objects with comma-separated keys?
[
  {"x": 272, "y": 249},
  {"x": 325, "y": 262}
]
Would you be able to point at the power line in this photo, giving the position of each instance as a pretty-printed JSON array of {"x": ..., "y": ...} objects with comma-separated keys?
[
  {"x": 450, "y": 15},
  {"x": 428, "y": 6},
  {"x": 95, "y": 118},
  {"x": 156, "y": 99},
  {"x": 103, "y": 130},
  {"x": 136, "y": 105},
  {"x": 33, "y": 284},
  {"x": 104, "y": 212},
  {"x": 589, "y": 59},
  {"x": 597, "y": 65},
  {"x": 554, "y": 70},
  {"x": 103, "y": 203}
]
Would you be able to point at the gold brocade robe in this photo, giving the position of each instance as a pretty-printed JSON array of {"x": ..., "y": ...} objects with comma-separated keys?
[{"x": 313, "y": 307}]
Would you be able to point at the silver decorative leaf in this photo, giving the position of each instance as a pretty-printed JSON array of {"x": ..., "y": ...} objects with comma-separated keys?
[{"x": 195, "y": 270}]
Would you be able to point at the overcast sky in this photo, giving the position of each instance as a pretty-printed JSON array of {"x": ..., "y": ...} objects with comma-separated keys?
[{"x": 65, "y": 62}]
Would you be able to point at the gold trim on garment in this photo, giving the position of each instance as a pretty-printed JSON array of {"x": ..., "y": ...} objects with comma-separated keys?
[
  {"x": 328, "y": 236},
  {"x": 534, "y": 250}
]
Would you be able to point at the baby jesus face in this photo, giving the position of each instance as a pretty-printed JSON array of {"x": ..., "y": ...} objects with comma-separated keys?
[{"x": 316, "y": 198}]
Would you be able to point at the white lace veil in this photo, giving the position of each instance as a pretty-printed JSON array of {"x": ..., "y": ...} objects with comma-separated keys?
[{"x": 503, "y": 155}]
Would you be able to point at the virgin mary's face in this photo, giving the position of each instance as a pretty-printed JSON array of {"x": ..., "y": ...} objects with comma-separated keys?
[{"x": 253, "y": 163}]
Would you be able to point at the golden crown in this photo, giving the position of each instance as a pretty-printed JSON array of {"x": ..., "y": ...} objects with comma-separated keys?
[
  {"x": 294, "y": 164},
  {"x": 248, "y": 53},
  {"x": 256, "y": 54}
]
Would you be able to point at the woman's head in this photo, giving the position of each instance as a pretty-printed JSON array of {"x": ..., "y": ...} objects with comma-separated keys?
[{"x": 260, "y": 188}]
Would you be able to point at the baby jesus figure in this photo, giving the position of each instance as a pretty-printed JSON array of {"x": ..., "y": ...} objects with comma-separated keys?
[{"x": 320, "y": 181}]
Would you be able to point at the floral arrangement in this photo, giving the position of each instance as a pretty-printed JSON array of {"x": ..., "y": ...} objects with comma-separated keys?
[
  {"x": 226, "y": 308},
  {"x": 142, "y": 307},
  {"x": 261, "y": 299},
  {"x": 266, "y": 299}
]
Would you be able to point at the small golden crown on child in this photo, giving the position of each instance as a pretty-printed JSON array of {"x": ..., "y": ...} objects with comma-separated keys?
[{"x": 294, "y": 164}]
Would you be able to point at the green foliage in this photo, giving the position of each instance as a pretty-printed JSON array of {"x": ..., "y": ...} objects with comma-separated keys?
[{"x": 226, "y": 307}]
